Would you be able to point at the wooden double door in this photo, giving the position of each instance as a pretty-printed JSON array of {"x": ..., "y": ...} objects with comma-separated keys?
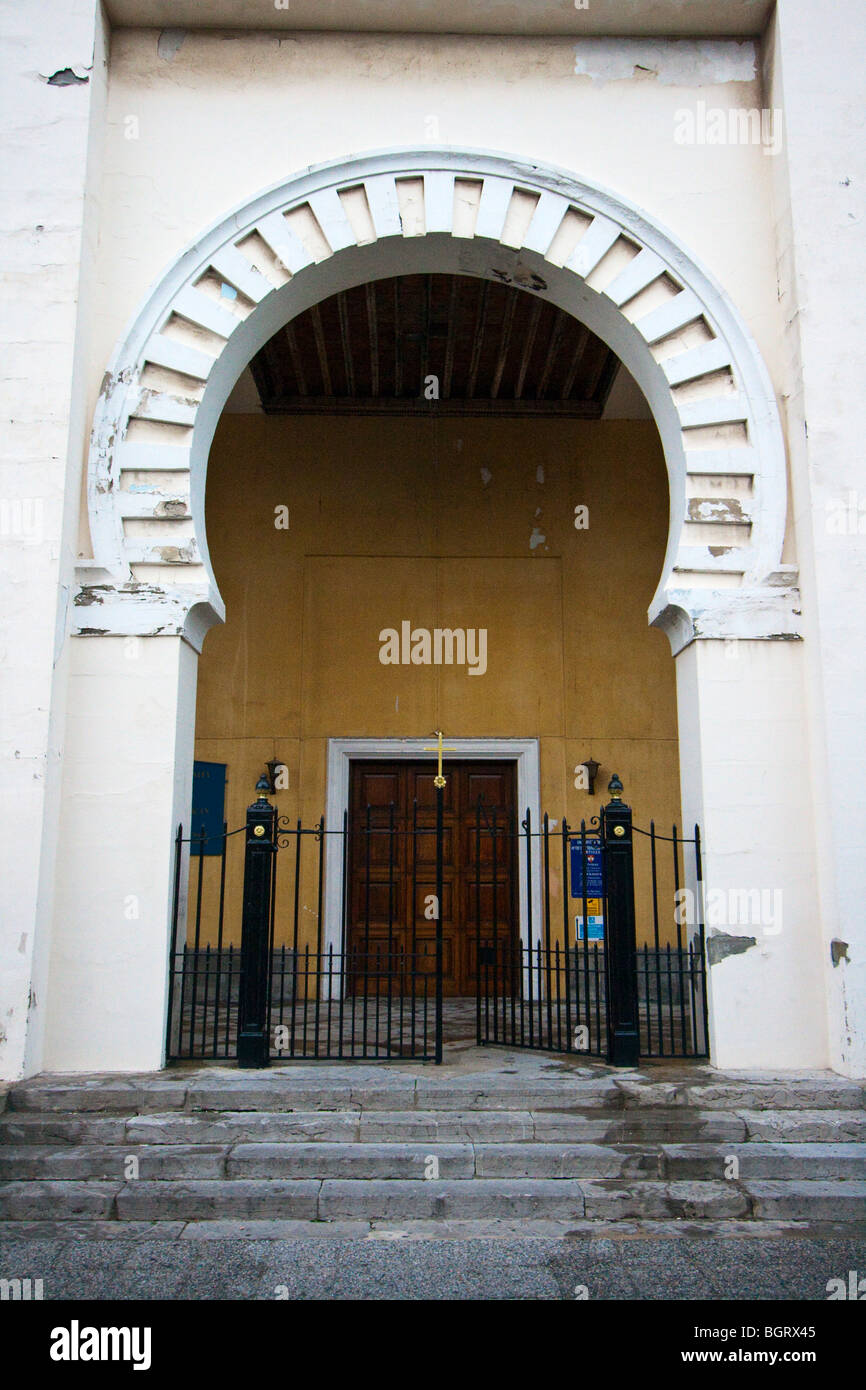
[{"x": 392, "y": 874}]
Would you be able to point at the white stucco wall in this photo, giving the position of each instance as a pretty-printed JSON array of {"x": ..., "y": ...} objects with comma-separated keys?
[
  {"x": 743, "y": 761},
  {"x": 51, "y": 182},
  {"x": 820, "y": 208},
  {"x": 124, "y": 791}
]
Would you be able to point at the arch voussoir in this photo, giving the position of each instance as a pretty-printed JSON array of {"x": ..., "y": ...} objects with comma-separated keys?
[{"x": 577, "y": 245}]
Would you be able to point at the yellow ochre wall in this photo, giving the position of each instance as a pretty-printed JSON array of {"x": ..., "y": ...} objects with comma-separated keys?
[{"x": 443, "y": 522}]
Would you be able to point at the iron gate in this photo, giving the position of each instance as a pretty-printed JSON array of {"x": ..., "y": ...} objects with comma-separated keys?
[
  {"x": 278, "y": 988},
  {"x": 579, "y": 962},
  {"x": 598, "y": 967}
]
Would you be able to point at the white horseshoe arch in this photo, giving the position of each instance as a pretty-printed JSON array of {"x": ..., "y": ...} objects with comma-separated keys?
[{"x": 477, "y": 213}]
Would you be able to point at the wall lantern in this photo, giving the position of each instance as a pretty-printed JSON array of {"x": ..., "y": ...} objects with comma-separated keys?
[{"x": 592, "y": 772}]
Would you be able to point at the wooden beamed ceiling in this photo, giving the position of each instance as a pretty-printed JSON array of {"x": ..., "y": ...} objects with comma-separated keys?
[{"x": 493, "y": 349}]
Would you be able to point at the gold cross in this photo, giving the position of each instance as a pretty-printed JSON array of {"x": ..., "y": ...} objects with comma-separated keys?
[{"x": 439, "y": 781}]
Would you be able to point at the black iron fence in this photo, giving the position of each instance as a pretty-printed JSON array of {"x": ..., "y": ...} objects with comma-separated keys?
[
  {"x": 260, "y": 984},
  {"x": 204, "y": 969},
  {"x": 671, "y": 966},
  {"x": 586, "y": 940},
  {"x": 578, "y": 977}
]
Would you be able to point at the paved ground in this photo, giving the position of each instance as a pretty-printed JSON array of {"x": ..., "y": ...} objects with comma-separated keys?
[{"x": 377, "y": 1268}]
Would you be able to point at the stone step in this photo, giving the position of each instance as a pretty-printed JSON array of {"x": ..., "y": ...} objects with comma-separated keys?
[
  {"x": 86, "y": 1095},
  {"x": 296, "y": 1199},
  {"x": 413, "y": 1161},
  {"x": 564, "y": 1161},
  {"x": 290, "y": 1095},
  {"x": 652, "y": 1125},
  {"x": 404, "y": 1161},
  {"x": 805, "y": 1126},
  {"x": 809, "y": 1162},
  {"x": 19, "y": 1127},
  {"x": 400, "y": 1161},
  {"x": 623, "y": 1127},
  {"x": 377, "y": 1126},
  {"x": 462, "y": 1229},
  {"x": 111, "y": 1162},
  {"x": 479, "y": 1092},
  {"x": 385, "y": 1088},
  {"x": 342, "y": 1199},
  {"x": 50, "y": 1200},
  {"x": 807, "y": 1201},
  {"x": 339, "y": 1199},
  {"x": 446, "y": 1126},
  {"x": 496, "y": 1198},
  {"x": 390, "y": 1161},
  {"x": 610, "y": 1199},
  {"x": 752, "y": 1093},
  {"x": 319, "y": 1126}
]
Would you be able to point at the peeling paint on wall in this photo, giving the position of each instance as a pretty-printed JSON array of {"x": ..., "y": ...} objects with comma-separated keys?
[
  {"x": 838, "y": 951},
  {"x": 725, "y": 509},
  {"x": 524, "y": 277},
  {"x": 720, "y": 945},
  {"x": 176, "y": 554},
  {"x": 91, "y": 593},
  {"x": 170, "y": 43},
  {"x": 67, "y": 77}
]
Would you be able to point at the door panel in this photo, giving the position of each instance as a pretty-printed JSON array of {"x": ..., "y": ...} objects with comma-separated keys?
[{"x": 398, "y": 868}]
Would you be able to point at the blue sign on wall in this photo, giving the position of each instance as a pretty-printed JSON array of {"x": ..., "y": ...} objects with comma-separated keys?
[
  {"x": 596, "y": 928},
  {"x": 208, "y": 806},
  {"x": 594, "y": 868}
]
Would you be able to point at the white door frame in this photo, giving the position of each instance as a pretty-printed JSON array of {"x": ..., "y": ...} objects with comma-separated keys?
[{"x": 343, "y": 751}]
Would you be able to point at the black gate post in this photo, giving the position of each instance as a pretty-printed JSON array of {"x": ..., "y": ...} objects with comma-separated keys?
[
  {"x": 253, "y": 1040},
  {"x": 440, "y": 795},
  {"x": 621, "y": 942}
]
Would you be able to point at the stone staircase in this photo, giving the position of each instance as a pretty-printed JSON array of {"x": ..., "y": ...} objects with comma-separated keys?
[{"x": 492, "y": 1142}]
